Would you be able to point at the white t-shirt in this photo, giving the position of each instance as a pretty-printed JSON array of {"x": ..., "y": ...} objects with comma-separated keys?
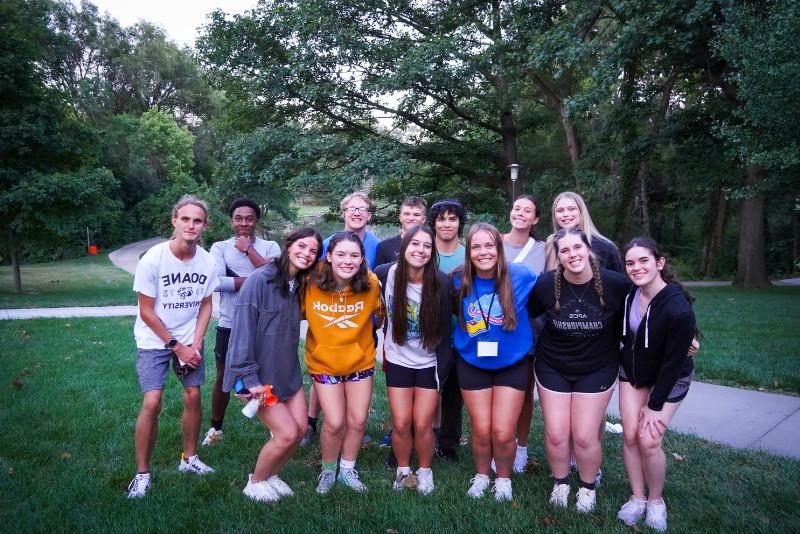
[
  {"x": 412, "y": 355},
  {"x": 178, "y": 287}
]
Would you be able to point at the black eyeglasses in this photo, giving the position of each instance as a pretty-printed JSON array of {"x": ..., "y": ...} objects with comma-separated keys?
[{"x": 356, "y": 209}]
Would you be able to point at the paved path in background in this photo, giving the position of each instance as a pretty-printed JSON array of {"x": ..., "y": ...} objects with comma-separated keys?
[{"x": 737, "y": 417}]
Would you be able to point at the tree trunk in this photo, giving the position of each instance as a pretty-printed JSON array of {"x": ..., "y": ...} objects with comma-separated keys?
[
  {"x": 510, "y": 155},
  {"x": 644, "y": 208},
  {"x": 15, "y": 270},
  {"x": 574, "y": 145},
  {"x": 713, "y": 246},
  {"x": 751, "y": 263}
]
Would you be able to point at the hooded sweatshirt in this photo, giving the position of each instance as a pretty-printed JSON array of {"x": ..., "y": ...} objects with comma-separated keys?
[
  {"x": 265, "y": 332},
  {"x": 339, "y": 339},
  {"x": 657, "y": 355}
]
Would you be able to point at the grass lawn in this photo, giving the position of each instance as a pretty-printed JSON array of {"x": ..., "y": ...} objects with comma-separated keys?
[
  {"x": 70, "y": 398},
  {"x": 89, "y": 281},
  {"x": 752, "y": 337}
]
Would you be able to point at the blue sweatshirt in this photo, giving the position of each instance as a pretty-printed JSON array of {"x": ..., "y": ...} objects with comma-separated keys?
[{"x": 483, "y": 304}]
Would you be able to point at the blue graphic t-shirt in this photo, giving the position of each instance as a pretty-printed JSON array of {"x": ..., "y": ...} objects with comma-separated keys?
[{"x": 484, "y": 320}]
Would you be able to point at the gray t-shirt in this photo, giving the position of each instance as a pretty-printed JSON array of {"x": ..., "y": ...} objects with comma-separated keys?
[
  {"x": 412, "y": 355},
  {"x": 534, "y": 260}
]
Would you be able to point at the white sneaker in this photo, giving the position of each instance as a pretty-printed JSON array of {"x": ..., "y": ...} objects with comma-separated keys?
[
  {"x": 325, "y": 481},
  {"x": 280, "y": 487},
  {"x": 193, "y": 464},
  {"x": 502, "y": 489},
  {"x": 585, "y": 500},
  {"x": 260, "y": 491},
  {"x": 349, "y": 477},
  {"x": 212, "y": 436},
  {"x": 631, "y": 511},
  {"x": 139, "y": 486},
  {"x": 400, "y": 481},
  {"x": 520, "y": 460},
  {"x": 425, "y": 482},
  {"x": 480, "y": 483},
  {"x": 560, "y": 495},
  {"x": 656, "y": 515}
]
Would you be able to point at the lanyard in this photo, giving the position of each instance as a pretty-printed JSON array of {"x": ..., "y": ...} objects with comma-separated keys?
[{"x": 484, "y": 315}]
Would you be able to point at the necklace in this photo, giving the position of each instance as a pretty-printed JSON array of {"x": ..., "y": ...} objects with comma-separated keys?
[
  {"x": 342, "y": 293},
  {"x": 577, "y": 298}
]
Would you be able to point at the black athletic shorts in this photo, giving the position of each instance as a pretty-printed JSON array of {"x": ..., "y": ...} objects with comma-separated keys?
[
  {"x": 598, "y": 381},
  {"x": 474, "y": 378},
  {"x": 678, "y": 391},
  {"x": 221, "y": 346},
  {"x": 398, "y": 376}
]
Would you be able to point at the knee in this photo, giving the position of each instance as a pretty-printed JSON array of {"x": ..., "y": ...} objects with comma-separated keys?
[
  {"x": 556, "y": 438},
  {"x": 649, "y": 446},
  {"x": 584, "y": 440},
  {"x": 191, "y": 395},
  {"x": 630, "y": 439},
  {"x": 333, "y": 426},
  {"x": 288, "y": 436},
  {"x": 422, "y": 428},
  {"x": 402, "y": 428},
  {"x": 358, "y": 424},
  {"x": 151, "y": 407},
  {"x": 481, "y": 434},
  {"x": 502, "y": 436}
]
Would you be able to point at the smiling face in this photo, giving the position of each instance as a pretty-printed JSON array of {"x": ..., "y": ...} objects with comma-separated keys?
[
  {"x": 419, "y": 250},
  {"x": 302, "y": 254},
  {"x": 244, "y": 221},
  {"x": 345, "y": 260},
  {"x": 573, "y": 254},
  {"x": 411, "y": 216},
  {"x": 523, "y": 214},
  {"x": 446, "y": 226},
  {"x": 483, "y": 254},
  {"x": 189, "y": 223},
  {"x": 356, "y": 215},
  {"x": 642, "y": 266},
  {"x": 567, "y": 214}
]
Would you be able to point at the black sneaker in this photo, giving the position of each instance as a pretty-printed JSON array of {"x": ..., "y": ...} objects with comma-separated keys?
[{"x": 451, "y": 455}]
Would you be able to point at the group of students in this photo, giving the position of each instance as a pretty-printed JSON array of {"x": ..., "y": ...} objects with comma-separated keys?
[{"x": 495, "y": 317}]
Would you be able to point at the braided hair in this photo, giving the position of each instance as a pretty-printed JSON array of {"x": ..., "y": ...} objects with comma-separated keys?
[{"x": 598, "y": 282}]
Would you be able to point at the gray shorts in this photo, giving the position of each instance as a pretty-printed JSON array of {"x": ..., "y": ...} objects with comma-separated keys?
[
  {"x": 679, "y": 390},
  {"x": 152, "y": 366}
]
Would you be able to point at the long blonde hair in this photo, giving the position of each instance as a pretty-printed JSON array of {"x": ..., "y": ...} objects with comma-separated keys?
[
  {"x": 502, "y": 278},
  {"x": 585, "y": 224}
]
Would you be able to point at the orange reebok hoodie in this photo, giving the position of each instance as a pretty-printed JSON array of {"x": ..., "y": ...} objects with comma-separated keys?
[{"x": 339, "y": 339}]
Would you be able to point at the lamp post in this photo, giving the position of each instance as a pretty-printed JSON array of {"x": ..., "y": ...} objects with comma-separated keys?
[{"x": 514, "y": 171}]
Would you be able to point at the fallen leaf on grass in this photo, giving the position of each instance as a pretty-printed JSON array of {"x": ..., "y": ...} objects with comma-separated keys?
[
  {"x": 548, "y": 521},
  {"x": 411, "y": 481},
  {"x": 532, "y": 466},
  {"x": 678, "y": 457},
  {"x": 17, "y": 384},
  {"x": 514, "y": 505},
  {"x": 66, "y": 456},
  {"x": 67, "y": 357},
  {"x": 38, "y": 365},
  {"x": 391, "y": 531},
  {"x": 67, "y": 325}
]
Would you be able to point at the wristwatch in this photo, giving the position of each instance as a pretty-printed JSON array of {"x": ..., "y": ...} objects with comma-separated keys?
[{"x": 171, "y": 343}]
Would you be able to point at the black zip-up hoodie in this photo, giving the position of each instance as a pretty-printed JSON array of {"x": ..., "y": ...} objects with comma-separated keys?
[
  {"x": 444, "y": 353},
  {"x": 657, "y": 355}
]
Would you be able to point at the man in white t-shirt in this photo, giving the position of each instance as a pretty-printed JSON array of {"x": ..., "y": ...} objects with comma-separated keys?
[
  {"x": 236, "y": 259},
  {"x": 174, "y": 281}
]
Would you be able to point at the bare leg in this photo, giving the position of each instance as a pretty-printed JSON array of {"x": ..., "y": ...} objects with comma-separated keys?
[
  {"x": 479, "y": 408},
  {"x": 556, "y": 412},
  {"x": 147, "y": 429},
  {"x": 425, "y": 403},
  {"x": 332, "y": 400},
  {"x": 588, "y": 410},
  {"x": 401, "y": 402},
  {"x": 286, "y": 435},
  {"x": 357, "y": 399},
  {"x": 653, "y": 459},
  {"x": 631, "y": 401},
  {"x": 506, "y": 404},
  {"x": 190, "y": 422}
]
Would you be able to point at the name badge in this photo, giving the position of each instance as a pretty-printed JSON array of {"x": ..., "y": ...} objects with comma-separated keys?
[{"x": 487, "y": 348}]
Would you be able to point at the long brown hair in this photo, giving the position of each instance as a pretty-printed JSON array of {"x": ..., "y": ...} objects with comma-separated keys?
[
  {"x": 428, "y": 318},
  {"x": 598, "y": 283},
  {"x": 282, "y": 278},
  {"x": 502, "y": 278}
]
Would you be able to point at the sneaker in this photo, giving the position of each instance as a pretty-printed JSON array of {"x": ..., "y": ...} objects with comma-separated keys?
[
  {"x": 260, "y": 491},
  {"x": 386, "y": 441},
  {"x": 520, "y": 461},
  {"x": 598, "y": 479},
  {"x": 400, "y": 481},
  {"x": 585, "y": 500},
  {"x": 425, "y": 482},
  {"x": 656, "y": 515},
  {"x": 212, "y": 436},
  {"x": 480, "y": 483},
  {"x": 307, "y": 438},
  {"x": 631, "y": 511},
  {"x": 451, "y": 455},
  {"x": 139, "y": 486},
  {"x": 193, "y": 464},
  {"x": 559, "y": 497},
  {"x": 502, "y": 489},
  {"x": 349, "y": 477},
  {"x": 325, "y": 481},
  {"x": 280, "y": 487},
  {"x": 391, "y": 460}
]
